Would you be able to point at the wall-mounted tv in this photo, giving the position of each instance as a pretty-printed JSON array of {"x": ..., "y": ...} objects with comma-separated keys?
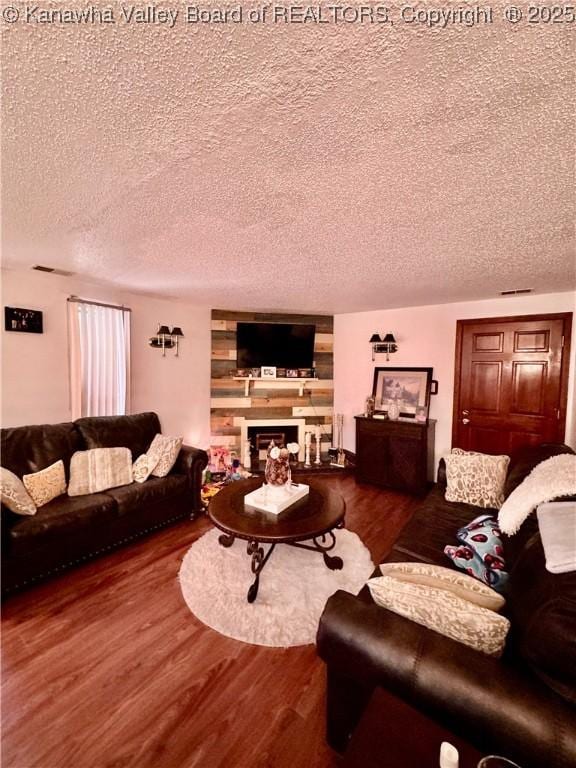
[{"x": 284, "y": 345}]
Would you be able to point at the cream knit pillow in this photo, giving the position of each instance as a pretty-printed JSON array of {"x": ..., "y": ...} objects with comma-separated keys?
[
  {"x": 167, "y": 450},
  {"x": 443, "y": 612},
  {"x": 476, "y": 478},
  {"x": 14, "y": 494},
  {"x": 47, "y": 484},
  {"x": 99, "y": 469},
  {"x": 455, "y": 582}
]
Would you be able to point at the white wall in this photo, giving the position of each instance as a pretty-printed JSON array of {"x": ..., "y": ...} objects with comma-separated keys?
[
  {"x": 35, "y": 385},
  {"x": 426, "y": 336}
]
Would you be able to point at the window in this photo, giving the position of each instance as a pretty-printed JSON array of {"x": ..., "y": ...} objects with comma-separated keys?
[{"x": 99, "y": 337}]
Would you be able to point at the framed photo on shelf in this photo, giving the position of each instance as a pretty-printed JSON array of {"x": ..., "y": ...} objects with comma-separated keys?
[
  {"x": 421, "y": 414},
  {"x": 268, "y": 372},
  {"x": 410, "y": 387}
]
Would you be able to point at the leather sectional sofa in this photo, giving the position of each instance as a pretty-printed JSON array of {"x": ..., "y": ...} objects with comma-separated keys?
[
  {"x": 522, "y": 705},
  {"x": 70, "y": 529}
]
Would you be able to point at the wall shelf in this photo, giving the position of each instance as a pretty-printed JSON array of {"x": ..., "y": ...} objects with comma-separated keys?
[{"x": 285, "y": 383}]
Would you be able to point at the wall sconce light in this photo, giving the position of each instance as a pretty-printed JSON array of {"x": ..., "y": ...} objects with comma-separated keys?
[
  {"x": 166, "y": 339},
  {"x": 387, "y": 344}
]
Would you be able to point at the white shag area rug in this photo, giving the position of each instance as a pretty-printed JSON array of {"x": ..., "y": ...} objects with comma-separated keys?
[{"x": 294, "y": 587}]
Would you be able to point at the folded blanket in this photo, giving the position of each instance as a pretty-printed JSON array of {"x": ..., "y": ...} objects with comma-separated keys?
[
  {"x": 552, "y": 478},
  {"x": 557, "y": 523}
]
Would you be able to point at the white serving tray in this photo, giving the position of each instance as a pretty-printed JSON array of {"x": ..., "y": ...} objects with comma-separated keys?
[{"x": 269, "y": 499}]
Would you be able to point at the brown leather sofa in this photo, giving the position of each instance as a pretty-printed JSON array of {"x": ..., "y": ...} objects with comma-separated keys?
[
  {"x": 522, "y": 705},
  {"x": 68, "y": 529}
]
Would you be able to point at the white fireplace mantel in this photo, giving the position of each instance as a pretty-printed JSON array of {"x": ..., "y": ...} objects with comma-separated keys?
[
  {"x": 283, "y": 383},
  {"x": 243, "y": 423}
]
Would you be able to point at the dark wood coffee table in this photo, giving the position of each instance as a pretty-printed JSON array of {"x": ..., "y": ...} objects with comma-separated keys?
[{"x": 311, "y": 520}]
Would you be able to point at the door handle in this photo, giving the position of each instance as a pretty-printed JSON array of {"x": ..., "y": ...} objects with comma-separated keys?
[{"x": 465, "y": 421}]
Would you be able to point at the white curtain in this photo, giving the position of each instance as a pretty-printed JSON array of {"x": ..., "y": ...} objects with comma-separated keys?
[{"x": 99, "y": 359}]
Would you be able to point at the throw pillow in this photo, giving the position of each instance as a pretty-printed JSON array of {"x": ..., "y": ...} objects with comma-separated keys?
[
  {"x": 167, "y": 450},
  {"x": 480, "y": 552},
  {"x": 47, "y": 484},
  {"x": 443, "y": 612},
  {"x": 142, "y": 468},
  {"x": 436, "y": 576},
  {"x": 14, "y": 494},
  {"x": 476, "y": 478},
  {"x": 99, "y": 469}
]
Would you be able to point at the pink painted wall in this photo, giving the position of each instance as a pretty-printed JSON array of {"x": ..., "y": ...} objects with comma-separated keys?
[
  {"x": 35, "y": 385},
  {"x": 426, "y": 337}
]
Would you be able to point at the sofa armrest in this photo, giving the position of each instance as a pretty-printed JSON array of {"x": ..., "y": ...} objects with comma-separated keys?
[
  {"x": 191, "y": 462},
  {"x": 491, "y": 703}
]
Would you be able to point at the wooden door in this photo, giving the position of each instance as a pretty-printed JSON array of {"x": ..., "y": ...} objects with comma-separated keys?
[{"x": 511, "y": 382}]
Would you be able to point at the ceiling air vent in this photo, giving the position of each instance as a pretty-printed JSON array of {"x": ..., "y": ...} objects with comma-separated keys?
[
  {"x": 51, "y": 270},
  {"x": 516, "y": 292}
]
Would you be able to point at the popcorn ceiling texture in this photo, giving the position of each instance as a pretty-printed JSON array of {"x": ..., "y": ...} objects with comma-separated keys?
[{"x": 306, "y": 167}]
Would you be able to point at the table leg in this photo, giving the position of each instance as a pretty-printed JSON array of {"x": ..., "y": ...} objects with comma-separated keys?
[
  {"x": 259, "y": 560},
  {"x": 323, "y": 544},
  {"x": 226, "y": 539}
]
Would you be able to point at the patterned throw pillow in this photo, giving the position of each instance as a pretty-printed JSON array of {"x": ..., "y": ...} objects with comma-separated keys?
[
  {"x": 14, "y": 494},
  {"x": 458, "y": 584},
  {"x": 99, "y": 469},
  {"x": 443, "y": 612},
  {"x": 167, "y": 450},
  {"x": 476, "y": 478},
  {"x": 142, "y": 468},
  {"x": 47, "y": 484},
  {"x": 480, "y": 552}
]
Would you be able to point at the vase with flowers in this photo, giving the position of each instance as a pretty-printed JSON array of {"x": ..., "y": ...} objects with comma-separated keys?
[{"x": 277, "y": 472}]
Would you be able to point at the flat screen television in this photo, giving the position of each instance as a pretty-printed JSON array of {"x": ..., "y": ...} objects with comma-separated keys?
[{"x": 279, "y": 344}]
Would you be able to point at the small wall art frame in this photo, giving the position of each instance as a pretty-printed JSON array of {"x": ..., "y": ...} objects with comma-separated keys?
[
  {"x": 23, "y": 320},
  {"x": 409, "y": 387}
]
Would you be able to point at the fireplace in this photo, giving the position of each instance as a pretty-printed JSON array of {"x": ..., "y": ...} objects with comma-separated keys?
[
  {"x": 261, "y": 437},
  {"x": 280, "y": 430}
]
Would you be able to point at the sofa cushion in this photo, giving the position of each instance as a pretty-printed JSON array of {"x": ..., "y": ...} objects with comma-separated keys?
[
  {"x": 134, "y": 432},
  {"x": 542, "y": 608},
  {"x": 30, "y": 449},
  {"x": 425, "y": 535},
  {"x": 527, "y": 458},
  {"x": 130, "y": 497},
  {"x": 63, "y": 516}
]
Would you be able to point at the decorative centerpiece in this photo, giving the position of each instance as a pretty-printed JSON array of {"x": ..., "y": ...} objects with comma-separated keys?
[{"x": 278, "y": 492}]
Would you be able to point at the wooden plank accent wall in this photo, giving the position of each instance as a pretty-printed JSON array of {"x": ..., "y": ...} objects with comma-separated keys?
[{"x": 268, "y": 399}]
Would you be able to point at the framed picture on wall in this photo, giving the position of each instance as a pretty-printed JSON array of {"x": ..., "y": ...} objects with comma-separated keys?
[
  {"x": 23, "y": 320},
  {"x": 409, "y": 387}
]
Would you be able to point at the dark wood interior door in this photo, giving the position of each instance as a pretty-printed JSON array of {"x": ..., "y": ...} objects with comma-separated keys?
[{"x": 511, "y": 382}]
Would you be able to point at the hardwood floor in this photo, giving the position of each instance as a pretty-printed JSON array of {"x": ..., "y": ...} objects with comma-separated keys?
[{"x": 105, "y": 666}]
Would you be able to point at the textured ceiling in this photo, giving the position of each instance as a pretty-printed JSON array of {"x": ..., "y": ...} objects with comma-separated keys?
[{"x": 327, "y": 167}]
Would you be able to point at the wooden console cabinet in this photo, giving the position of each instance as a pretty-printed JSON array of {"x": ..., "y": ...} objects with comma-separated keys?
[{"x": 395, "y": 454}]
